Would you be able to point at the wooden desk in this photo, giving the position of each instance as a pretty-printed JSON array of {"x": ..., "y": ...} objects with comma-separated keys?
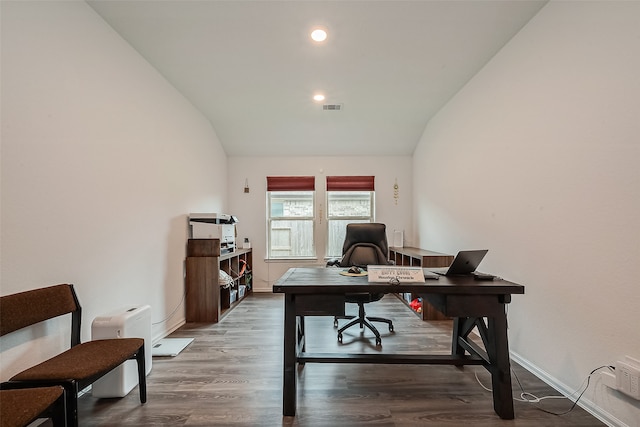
[
  {"x": 321, "y": 292},
  {"x": 425, "y": 259}
]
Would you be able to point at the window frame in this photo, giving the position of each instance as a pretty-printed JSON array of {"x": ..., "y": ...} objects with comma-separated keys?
[
  {"x": 347, "y": 184},
  {"x": 295, "y": 185}
]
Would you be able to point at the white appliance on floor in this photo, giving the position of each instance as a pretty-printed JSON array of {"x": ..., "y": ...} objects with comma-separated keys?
[{"x": 129, "y": 322}]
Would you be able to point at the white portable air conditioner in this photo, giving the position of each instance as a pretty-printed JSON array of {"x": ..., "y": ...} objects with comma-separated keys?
[{"x": 130, "y": 322}]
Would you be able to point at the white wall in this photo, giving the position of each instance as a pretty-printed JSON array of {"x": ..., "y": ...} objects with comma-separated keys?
[
  {"x": 251, "y": 208},
  {"x": 542, "y": 150},
  {"x": 101, "y": 162}
]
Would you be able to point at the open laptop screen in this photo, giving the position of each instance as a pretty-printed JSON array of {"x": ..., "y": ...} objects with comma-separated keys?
[{"x": 465, "y": 262}]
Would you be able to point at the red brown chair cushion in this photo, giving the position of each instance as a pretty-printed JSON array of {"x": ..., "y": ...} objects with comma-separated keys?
[
  {"x": 83, "y": 361},
  {"x": 20, "y": 407}
]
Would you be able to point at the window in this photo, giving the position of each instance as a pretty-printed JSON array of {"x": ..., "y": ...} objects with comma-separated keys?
[
  {"x": 291, "y": 221},
  {"x": 350, "y": 199}
]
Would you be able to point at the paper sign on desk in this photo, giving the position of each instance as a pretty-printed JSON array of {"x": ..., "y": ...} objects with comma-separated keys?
[{"x": 395, "y": 274}]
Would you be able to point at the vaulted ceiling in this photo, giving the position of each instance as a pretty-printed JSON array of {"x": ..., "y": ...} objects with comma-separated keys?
[{"x": 251, "y": 68}]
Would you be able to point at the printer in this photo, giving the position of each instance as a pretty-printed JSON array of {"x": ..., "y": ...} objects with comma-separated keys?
[{"x": 214, "y": 226}]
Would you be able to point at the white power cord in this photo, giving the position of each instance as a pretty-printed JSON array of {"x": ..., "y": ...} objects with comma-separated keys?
[{"x": 527, "y": 397}]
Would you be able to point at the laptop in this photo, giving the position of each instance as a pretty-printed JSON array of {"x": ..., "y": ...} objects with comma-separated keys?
[{"x": 464, "y": 263}]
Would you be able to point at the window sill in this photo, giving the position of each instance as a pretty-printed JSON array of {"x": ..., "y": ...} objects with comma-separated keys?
[{"x": 290, "y": 260}]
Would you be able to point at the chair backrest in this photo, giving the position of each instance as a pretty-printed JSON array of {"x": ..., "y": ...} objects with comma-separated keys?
[
  {"x": 365, "y": 244},
  {"x": 27, "y": 308}
]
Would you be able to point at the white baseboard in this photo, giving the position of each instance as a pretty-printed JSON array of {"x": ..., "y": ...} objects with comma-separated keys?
[{"x": 584, "y": 403}]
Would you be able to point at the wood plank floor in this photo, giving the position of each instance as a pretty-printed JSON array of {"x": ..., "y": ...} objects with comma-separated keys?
[{"x": 232, "y": 375}]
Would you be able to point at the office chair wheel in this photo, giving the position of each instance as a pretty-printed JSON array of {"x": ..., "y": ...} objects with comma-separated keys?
[
  {"x": 378, "y": 342},
  {"x": 335, "y": 323},
  {"x": 340, "y": 338},
  {"x": 390, "y": 328}
]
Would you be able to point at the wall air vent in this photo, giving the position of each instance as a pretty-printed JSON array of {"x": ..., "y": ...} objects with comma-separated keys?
[{"x": 332, "y": 107}]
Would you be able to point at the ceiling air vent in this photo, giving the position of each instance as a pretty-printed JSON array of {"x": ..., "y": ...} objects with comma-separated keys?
[{"x": 332, "y": 107}]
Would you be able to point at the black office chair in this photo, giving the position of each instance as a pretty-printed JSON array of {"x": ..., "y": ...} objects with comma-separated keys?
[{"x": 364, "y": 244}]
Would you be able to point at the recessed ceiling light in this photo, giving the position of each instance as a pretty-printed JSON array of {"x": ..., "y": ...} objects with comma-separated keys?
[
  {"x": 319, "y": 34},
  {"x": 318, "y": 97}
]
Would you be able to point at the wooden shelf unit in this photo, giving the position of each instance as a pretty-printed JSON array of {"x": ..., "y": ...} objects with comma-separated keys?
[
  {"x": 206, "y": 301},
  {"x": 425, "y": 259},
  {"x": 236, "y": 264}
]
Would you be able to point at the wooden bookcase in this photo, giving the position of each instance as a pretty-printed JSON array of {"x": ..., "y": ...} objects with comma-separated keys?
[
  {"x": 236, "y": 264},
  {"x": 206, "y": 301},
  {"x": 425, "y": 259}
]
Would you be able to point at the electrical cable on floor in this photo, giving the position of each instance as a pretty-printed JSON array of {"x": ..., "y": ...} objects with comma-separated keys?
[{"x": 527, "y": 397}]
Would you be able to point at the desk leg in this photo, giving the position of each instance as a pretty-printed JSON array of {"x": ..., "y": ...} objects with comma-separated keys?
[
  {"x": 302, "y": 343},
  {"x": 300, "y": 340},
  {"x": 456, "y": 348},
  {"x": 498, "y": 352},
  {"x": 290, "y": 344}
]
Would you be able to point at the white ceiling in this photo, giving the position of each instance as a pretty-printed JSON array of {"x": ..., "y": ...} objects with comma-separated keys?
[{"x": 251, "y": 68}]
